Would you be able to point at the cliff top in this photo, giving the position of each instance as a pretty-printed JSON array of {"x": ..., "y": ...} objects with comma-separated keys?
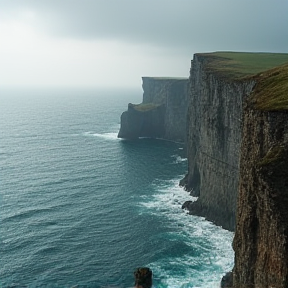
[
  {"x": 144, "y": 107},
  {"x": 239, "y": 65},
  {"x": 271, "y": 90}
]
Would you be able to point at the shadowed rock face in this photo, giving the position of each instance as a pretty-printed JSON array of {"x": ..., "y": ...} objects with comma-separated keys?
[
  {"x": 162, "y": 113},
  {"x": 261, "y": 238},
  {"x": 213, "y": 144},
  {"x": 149, "y": 123}
]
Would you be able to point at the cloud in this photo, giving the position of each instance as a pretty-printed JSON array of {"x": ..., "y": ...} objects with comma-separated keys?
[
  {"x": 115, "y": 42},
  {"x": 31, "y": 59},
  {"x": 184, "y": 24}
]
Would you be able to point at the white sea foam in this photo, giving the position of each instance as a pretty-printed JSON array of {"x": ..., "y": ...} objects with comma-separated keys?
[
  {"x": 108, "y": 136},
  {"x": 212, "y": 243},
  {"x": 179, "y": 159}
]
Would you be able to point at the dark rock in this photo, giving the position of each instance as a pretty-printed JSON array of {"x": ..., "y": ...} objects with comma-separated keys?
[
  {"x": 148, "y": 123},
  {"x": 227, "y": 280},
  {"x": 162, "y": 114},
  {"x": 143, "y": 277},
  {"x": 213, "y": 143},
  {"x": 183, "y": 181},
  {"x": 186, "y": 205},
  {"x": 261, "y": 237}
]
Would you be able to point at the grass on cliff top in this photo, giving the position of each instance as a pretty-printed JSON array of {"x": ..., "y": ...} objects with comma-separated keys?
[
  {"x": 271, "y": 91},
  {"x": 145, "y": 107},
  {"x": 239, "y": 65}
]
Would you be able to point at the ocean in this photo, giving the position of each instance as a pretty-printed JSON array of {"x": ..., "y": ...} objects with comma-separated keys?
[{"x": 82, "y": 208}]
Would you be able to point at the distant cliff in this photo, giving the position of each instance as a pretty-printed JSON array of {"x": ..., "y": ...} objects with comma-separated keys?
[
  {"x": 261, "y": 238},
  {"x": 163, "y": 112},
  {"x": 219, "y": 84}
]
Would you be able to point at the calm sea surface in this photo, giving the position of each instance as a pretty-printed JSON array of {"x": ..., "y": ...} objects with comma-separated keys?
[{"x": 81, "y": 208}]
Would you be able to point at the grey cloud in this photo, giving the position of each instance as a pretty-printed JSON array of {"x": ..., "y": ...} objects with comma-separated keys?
[{"x": 188, "y": 25}]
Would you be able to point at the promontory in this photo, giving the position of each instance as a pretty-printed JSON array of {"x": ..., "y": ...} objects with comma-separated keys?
[{"x": 232, "y": 115}]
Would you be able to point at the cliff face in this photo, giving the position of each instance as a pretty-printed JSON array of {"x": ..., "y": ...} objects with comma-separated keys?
[
  {"x": 261, "y": 238},
  {"x": 162, "y": 113},
  {"x": 142, "y": 123},
  {"x": 213, "y": 144}
]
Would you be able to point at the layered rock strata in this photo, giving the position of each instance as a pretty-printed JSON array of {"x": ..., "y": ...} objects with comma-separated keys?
[
  {"x": 162, "y": 114},
  {"x": 213, "y": 144},
  {"x": 261, "y": 238}
]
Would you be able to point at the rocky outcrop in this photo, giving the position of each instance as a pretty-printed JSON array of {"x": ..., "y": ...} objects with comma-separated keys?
[
  {"x": 213, "y": 144},
  {"x": 140, "y": 122},
  {"x": 261, "y": 238},
  {"x": 162, "y": 113},
  {"x": 143, "y": 277}
]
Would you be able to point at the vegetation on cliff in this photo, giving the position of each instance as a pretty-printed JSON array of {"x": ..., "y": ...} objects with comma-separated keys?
[
  {"x": 239, "y": 65},
  {"x": 260, "y": 241},
  {"x": 220, "y": 82},
  {"x": 162, "y": 113},
  {"x": 145, "y": 106},
  {"x": 271, "y": 90}
]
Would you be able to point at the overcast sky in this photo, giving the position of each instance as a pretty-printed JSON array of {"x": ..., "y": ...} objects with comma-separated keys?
[{"x": 96, "y": 43}]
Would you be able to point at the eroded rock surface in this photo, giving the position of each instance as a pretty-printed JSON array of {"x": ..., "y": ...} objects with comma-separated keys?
[
  {"x": 213, "y": 144},
  {"x": 261, "y": 238}
]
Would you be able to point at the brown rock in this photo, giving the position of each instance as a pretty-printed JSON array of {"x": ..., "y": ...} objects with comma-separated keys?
[{"x": 143, "y": 277}]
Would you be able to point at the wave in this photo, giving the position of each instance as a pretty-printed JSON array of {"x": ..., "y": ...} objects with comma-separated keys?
[
  {"x": 107, "y": 136},
  {"x": 25, "y": 214},
  {"x": 207, "y": 255},
  {"x": 178, "y": 159}
]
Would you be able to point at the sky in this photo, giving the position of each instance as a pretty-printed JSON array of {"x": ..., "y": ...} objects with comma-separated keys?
[{"x": 113, "y": 43}]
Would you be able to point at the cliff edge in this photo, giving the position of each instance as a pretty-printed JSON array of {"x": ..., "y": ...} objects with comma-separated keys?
[
  {"x": 261, "y": 238},
  {"x": 219, "y": 83}
]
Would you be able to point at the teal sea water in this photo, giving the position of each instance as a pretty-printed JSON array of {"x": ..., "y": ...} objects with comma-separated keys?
[{"x": 81, "y": 208}]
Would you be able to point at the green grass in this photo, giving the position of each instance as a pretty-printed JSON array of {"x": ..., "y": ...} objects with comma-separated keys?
[
  {"x": 239, "y": 65},
  {"x": 271, "y": 91},
  {"x": 145, "y": 107},
  {"x": 270, "y": 70}
]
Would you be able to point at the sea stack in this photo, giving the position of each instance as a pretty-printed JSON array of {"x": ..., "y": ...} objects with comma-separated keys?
[{"x": 143, "y": 277}]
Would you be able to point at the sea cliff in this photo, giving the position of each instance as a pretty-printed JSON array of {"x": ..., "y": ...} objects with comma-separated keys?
[
  {"x": 162, "y": 113},
  {"x": 261, "y": 238},
  {"x": 237, "y": 147},
  {"x": 213, "y": 142},
  {"x": 219, "y": 84}
]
